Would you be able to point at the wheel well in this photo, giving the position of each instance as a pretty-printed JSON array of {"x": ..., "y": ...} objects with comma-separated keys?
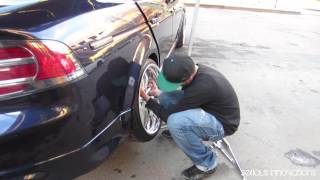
[{"x": 154, "y": 57}]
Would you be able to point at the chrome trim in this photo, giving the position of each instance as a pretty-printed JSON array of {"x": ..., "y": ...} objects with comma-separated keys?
[
  {"x": 36, "y": 86},
  {"x": 107, "y": 127},
  {"x": 57, "y": 81},
  {"x": 17, "y": 61},
  {"x": 13, "y": 82},
  {"x": 172, "y": 47},
  {"x": 35, "y": 61},
  {"x": 89, "y": 142}
]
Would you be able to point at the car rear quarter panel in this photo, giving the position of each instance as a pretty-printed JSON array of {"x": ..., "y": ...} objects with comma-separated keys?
[{"x": 53, "y": 123}]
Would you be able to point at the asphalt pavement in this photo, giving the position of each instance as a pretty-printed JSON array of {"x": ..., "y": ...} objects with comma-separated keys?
[{"x": 273, "y": 62}]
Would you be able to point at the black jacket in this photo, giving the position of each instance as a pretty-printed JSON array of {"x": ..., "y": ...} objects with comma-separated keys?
[{"x": 212, "y": 92}]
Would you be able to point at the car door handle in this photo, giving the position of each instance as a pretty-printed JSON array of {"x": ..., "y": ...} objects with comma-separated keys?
[{"x": 154, "y": 20}]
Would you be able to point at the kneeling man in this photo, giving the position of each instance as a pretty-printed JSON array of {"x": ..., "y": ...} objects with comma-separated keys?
[{"x": 206, "y": 108}]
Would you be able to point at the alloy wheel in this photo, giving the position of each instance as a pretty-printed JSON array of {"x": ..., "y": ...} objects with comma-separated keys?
[{"x": 150, "y": 122}]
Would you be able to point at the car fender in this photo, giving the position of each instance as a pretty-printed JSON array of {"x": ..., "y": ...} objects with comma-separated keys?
[{"x": 145, "y": 48}]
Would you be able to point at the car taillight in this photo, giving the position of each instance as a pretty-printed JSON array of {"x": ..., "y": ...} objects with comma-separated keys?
[{"x": 29, "y": 66}]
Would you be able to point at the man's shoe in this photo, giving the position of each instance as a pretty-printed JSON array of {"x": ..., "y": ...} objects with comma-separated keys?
[
  {"x": 193, "y": 173},
  {"x": 167, "y": 134}
]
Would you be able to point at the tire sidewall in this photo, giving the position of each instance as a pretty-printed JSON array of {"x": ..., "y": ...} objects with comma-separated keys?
[{"x": 137, "y": 129}]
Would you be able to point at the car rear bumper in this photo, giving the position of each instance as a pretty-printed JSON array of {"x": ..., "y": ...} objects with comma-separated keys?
[
  {"x": 66, "y": 166},
  {"x": 73, "y": 163},
  {"x": 60, "y": 133}
]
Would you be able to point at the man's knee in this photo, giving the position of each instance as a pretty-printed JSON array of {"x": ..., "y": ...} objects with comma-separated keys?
[{"x": 175, "y": 121}]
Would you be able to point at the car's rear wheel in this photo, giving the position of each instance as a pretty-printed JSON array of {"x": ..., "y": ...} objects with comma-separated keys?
[{"x": 145, "y": 123}]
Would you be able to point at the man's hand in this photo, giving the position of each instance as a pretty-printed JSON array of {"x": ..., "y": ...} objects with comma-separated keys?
[
  {"x": 155, "y": 91},
  {"x": 144, "y": 95}
]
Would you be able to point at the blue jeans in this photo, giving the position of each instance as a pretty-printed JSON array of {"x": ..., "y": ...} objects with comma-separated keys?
[{"x": 190, "y": 128}]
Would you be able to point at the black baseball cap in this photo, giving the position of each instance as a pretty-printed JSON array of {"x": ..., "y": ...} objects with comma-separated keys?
[{"x": 175, "y": 70}]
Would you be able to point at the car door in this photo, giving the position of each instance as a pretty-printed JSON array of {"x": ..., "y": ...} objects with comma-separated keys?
[
  {"x": 107, "y": 55},
  {"x": 159, "y": 16},
  {"x": 176, "y": 7}
]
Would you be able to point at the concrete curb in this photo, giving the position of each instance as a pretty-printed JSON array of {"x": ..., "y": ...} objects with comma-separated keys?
[{"x": 245, "y": 8}]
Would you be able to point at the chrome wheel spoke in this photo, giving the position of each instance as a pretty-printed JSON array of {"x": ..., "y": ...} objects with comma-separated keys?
[{"x": 150, "y": 122}]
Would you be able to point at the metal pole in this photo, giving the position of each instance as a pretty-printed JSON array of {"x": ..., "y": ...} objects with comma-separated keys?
[{"x": 193, "y": 26}]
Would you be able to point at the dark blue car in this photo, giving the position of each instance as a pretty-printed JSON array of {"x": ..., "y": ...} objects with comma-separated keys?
[{"x": 70, "y": 72}]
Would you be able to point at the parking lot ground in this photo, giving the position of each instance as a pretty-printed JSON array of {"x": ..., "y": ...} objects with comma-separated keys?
[{"x": 273, "y": 62}]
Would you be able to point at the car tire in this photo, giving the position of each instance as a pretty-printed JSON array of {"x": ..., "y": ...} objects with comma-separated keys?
[
  {"x": 181, "y": 37},
  {"x": 146, "y": 124}
]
